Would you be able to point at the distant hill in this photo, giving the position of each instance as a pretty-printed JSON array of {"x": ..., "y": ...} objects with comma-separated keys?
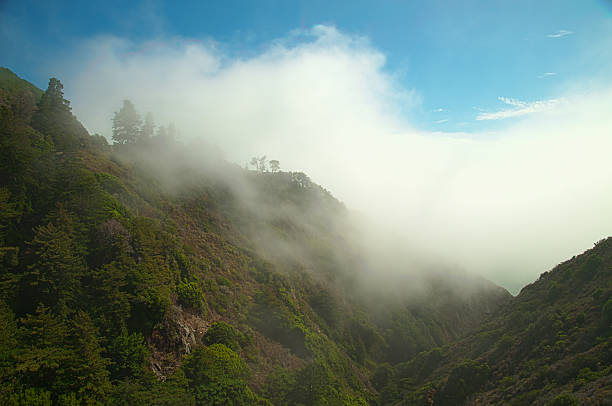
[
  {"x": 154, "y": 272},
  {"x": 550, "y": 345}
]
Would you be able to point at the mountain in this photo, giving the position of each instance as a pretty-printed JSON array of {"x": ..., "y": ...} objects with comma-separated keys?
[
  {"x": 154, "y": 272},
  {"x": 550, "y": 345}
]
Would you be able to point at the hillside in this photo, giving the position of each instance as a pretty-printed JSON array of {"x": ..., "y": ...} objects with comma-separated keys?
[
  {"x": 13, "y": 84},
  {"x": 155, "y": 272},
  {"x": 550, "y": 345}
]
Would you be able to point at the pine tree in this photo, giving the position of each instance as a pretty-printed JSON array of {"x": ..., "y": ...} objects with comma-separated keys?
[
  {"x": 53, "y": 98},
  {"x": 148, "y": 128},
  {"x": 54, "y": 118},
  {"x": 274, "y": 166},
  {"x": 90, "y": 368},
  {"x": 126, "y": 124},
  {"x": 55, "y": 275},
  {"x": 43, "y": 355}
]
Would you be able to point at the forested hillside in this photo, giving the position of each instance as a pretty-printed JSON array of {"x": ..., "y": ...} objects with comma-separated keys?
[
  {"x": 155, "y": 272},
  {"x": 551, "y": 345}
]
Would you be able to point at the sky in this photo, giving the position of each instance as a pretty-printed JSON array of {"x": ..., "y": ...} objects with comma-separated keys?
[{"x": 478, "y": 131}]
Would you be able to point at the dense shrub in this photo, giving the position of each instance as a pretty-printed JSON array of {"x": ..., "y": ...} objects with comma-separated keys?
[
  {"x": 226, "y": 334},
  {"x": 217, "y": 375},
  {"x": 129, "y": 354},
  {"x": 190, "y": 295}
]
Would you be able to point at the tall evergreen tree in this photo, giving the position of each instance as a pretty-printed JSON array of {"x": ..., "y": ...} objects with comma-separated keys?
[
  {"x": 148, "y": 128},
  {"x": 55, "y": 275},
  {"x": 126, "y": 124},
  {"x": 53, "y": 98},
  {"x": 54, "y": 118}
]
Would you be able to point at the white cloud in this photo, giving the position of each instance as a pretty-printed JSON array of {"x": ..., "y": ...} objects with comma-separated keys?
[
  {"x": 438, "y": 110},
  {"x": 509, "y": 206},
  {"x": 444, "y": 120},
  {"x": 521, "y": 108},
  {"x": 559, "y": 34},
  {"x": 547, "y": 74}
]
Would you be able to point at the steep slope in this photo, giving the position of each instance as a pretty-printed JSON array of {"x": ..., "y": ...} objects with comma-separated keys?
[
  {"x": 158, "y": 273},
  {"x": 13, "y": 84},
  {"x": 550, "y": 344}
]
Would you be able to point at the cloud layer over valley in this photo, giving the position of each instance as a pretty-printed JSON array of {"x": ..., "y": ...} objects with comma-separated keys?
[{"x": 508, "y": 204}]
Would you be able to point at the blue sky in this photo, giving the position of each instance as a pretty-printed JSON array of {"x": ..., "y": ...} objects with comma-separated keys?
[{"x": 458, "y": 57}]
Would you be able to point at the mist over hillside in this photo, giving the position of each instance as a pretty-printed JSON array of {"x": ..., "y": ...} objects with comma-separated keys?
[
  {"x": 155, "y": 270},
  {"x": 322, "y": 101},
  {"x": 305, "y": 203},
  {"x": 149, "y": 263}
]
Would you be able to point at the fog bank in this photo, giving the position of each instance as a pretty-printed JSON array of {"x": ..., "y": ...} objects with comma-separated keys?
[{"x": 508, "y": 205}]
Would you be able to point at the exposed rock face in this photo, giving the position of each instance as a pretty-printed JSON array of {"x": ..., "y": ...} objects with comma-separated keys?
[{"x": 176, "y": 337}]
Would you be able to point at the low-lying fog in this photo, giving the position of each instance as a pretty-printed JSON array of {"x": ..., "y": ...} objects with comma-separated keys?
[{"x": 508, "y": 204}]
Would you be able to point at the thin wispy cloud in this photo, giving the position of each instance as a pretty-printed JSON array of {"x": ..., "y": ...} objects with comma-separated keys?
[
  {"x": 438, "y": 110},
  {"x": 559, "y": 34},
  {"x": 520, "y": 108},
  {"x": 444, "y": 120},
  {"x": 547, "y": 74}
]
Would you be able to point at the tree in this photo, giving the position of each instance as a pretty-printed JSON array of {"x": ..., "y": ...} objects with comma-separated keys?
[
  {"x": 274, "y": 166},
  {"x": 300, "y": 179},
  {"x": 148, "y": 128},
  {"x": 260, "y": 163},
  {"x": 263, "y": 164},
  {"x": 218, "y": 376},
  {"x": 43, "y": 355},
  {"x": 89, "y": 366},
  {"x": 315, "y": 385},
  {"x": 223, "y": 333},
  {"x": 55, "y": 275},
  {"x": 54, "y": 119},
  {"x": 190, "y": 295},
  {"x": 126, "y": 124},
  {"x": 53, "y": 98}
]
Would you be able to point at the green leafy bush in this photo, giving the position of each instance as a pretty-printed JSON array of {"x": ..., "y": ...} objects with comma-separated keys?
[
  {"x": 190, "y": 295},
  {"x": 226, "y": 334},
  {"x": 148, "y": 309},
  {"x": 217, "y": 375},
  {"x": 129, "y": 354}
]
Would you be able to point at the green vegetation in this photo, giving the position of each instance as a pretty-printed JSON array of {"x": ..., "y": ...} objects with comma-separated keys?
[
  {"x": 217, "y": 376},
  {"x": 226, "y": 334},
  {"x": 552, "y": 344},
  {"x": 190, "y": 295},
  {"x": 143, "y": 273}
]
